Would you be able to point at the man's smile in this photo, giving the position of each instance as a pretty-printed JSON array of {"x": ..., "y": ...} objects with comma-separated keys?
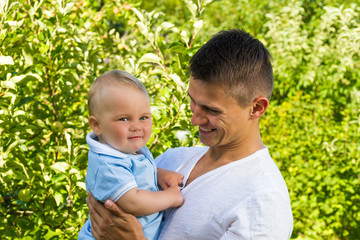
[{"x": 206, "y": 129}]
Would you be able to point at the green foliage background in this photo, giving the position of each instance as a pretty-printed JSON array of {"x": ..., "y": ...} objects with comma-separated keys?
[{"x": 51, "y": 51}]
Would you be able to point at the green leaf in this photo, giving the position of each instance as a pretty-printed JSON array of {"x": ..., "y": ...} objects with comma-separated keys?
[
  {"x": 81, "y": 185},
  {"x": 184, "y": 36},
  {"x": 180, "y": 84},
  {"x": 51, "y": 234},
  {"x": 60, "y": 167},
  {"x": 6, "y": 60},
  {"x": 68, "y": 142},
  {"x": 192, "y": 7},
  {"x": 7, "y": 84},
  {"x": 198, "y": 25},
  {"x": 58, "y": 198},
  {"x": 18, "y": 113},
  {"x": 166, "y": 25},
  {"x": 150, "y": 58},
  {"x": 138, "y": 14}
]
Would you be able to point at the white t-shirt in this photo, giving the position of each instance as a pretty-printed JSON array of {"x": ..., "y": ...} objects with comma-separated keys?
[{"x": 246, "y": 199}]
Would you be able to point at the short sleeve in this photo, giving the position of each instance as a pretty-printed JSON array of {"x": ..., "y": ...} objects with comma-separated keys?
[
  {"x": 172, "y": 158},
  {"x": 175, "y": 158},
  {"x": 113, "y": 179},
  {"x": 159, "y": 161}
]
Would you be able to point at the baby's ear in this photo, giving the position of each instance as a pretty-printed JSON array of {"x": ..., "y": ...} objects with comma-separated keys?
[
  {"x": 259, "y": 107},
  {"x": 95, "y": 126}
]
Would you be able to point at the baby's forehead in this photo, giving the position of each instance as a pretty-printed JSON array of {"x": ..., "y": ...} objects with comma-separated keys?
[
  {"x": 109, "y": 97},
  {"x": 110, "y": 82},
  {"x": 116, "y": 88},
  {"x": 114, "y": 82},
  {"x": 99, "y": 91},
  {"x": 106, "y": 85}
]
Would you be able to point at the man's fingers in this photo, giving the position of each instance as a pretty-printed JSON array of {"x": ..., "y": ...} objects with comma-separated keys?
[
  {"x": 95, "y": 214},
  {"x": 116, "y": 210},
  {"x": 97, "y": 206},
  {"x": 93, "y": 205}
]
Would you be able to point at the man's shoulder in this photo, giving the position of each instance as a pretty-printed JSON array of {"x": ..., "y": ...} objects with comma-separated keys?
[
  {"x": 174, "y": 157},
  {"x": 185, "y": 150}
]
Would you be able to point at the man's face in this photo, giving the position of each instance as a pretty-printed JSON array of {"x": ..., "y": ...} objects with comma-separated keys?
[{"x": 222, "y": 122}]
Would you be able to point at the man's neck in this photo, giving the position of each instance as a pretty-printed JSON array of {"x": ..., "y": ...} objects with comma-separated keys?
[
  {"x": 216, "y": 157},
  {"x": 236, "y": 151}
]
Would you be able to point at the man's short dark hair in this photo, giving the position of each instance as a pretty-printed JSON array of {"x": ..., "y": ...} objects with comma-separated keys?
[{"x": 237, "y": 61}]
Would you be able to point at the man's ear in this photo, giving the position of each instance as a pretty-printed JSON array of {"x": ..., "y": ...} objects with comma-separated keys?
[
  {"x": 259, "y": 106},
  {"x": 95, "y": 126}
]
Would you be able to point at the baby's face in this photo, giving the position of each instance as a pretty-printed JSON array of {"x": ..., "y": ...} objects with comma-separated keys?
[{"x": 124, "y": 118}]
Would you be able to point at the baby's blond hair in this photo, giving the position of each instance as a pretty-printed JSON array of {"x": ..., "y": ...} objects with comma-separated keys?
[{"x": 115, "y": 76}]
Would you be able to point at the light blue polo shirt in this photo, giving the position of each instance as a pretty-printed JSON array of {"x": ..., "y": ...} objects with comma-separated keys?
[{"x": 111, "y": 174}]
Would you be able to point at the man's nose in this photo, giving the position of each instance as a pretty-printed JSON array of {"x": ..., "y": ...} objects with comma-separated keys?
[{"x": 198, "y": 117}]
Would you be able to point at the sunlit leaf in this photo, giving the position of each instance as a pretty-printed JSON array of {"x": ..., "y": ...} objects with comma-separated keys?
[
  {"x": 6, "y": 60},
  {"x": 150, "y": 58},
  {"x": 60, "y": 167},
  {"x": 58, "y": 198}
]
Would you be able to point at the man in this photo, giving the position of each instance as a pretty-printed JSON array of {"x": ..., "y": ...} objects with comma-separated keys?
[{"x": 233, "y": 189}]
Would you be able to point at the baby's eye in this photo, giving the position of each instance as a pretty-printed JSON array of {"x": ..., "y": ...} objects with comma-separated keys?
[
  {"x": 124, "y": 119},
  {"x": 144, "y": 118}
]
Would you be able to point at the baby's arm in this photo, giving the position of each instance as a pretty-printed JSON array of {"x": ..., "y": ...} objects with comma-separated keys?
[
  {"x": 143, "y": 202},
  {"x": 168, "y": 178}
]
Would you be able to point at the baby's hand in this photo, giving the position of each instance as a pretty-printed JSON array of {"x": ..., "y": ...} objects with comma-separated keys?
[
  {"x": 177, "y": 198},
  {"x": 168, "y": 178}
]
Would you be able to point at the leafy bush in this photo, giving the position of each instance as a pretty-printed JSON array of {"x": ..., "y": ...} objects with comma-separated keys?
[
  {"x": 315, "y": 118},
  {"x": 51, "y": 51}
]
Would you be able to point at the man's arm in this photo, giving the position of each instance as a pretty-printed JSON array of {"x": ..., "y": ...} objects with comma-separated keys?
[
  {"x": 111, "y": 222},
  {"x": 143, "y": 202}
]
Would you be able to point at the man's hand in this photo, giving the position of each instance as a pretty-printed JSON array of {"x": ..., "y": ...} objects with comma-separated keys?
[
  {"x": 111, "y": 222},
  {"x": 168, "y": 178}
]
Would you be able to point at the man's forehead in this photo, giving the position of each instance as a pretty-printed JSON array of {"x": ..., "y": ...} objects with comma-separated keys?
[{"x": 205, "y": 88}]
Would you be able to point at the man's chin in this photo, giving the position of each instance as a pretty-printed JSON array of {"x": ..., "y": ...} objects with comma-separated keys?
[{"x": 207, "y": 141}]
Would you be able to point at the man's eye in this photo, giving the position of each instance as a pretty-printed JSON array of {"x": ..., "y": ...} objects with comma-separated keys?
[
  {"x": 124, "y": 119},
  {"x": 212, "y": 111}
]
